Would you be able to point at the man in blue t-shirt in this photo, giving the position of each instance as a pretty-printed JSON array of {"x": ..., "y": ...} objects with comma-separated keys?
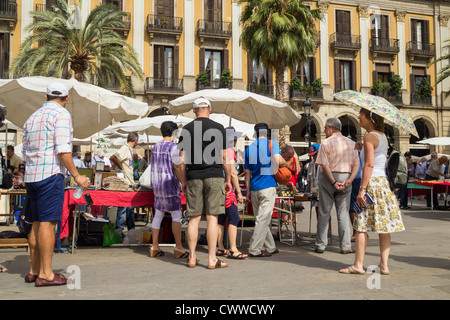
[{"x": 262, "y": 160}]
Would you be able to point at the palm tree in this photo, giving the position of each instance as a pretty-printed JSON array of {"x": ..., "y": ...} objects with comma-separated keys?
[
  {"x": 444, "y": 73},
  {"x": 280, "y": 34},
  {"x": 93, "y": 52}
]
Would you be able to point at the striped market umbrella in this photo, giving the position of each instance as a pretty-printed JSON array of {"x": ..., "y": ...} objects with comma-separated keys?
[{"x": 392, "y": 115}]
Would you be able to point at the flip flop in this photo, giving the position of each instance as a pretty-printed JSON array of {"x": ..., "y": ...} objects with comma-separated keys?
[
  {"x": 351, "y": 270},
  {"x": 219, "y": 264},
  {"x": 239, "y": 255},
  {"x": 3, "y": 270}
]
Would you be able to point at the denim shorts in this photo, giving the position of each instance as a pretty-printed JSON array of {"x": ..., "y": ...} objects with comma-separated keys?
[{"x": 46, "y": 198}]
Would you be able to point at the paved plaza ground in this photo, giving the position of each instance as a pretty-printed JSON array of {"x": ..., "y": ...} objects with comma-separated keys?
[{"x": 419, "y": 265}]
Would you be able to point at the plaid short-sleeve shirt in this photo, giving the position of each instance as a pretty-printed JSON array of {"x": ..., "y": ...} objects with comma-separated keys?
[
  {"x": 46, "y": 133},
  {"x": 338, "y": 152}
]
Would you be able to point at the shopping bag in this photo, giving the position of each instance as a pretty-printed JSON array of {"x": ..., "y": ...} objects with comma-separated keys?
[
  {"x": 110, "y": 236},
  {"x": 146, "y": 179}
]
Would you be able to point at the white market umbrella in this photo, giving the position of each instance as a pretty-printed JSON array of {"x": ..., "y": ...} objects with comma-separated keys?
[
  {"x": 247, "y": 129},
  {"x": 241, "y": 105},
  {"x": 437, "y": 141},
  {"x": 150, "y": 126},
  {"x": 92, "y": 108},
  {"x": 84, "y": 142},
  {"x": 142, "y": 141}
]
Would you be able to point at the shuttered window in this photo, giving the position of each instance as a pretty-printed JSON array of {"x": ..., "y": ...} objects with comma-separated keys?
[
  {"x": 343, "y": 26},
  {"x": 4, "y": 55},
  {"x": 345, "y": 75},
  {"x": 165, "y": 8},
  {"x": 165, "y": 67},
  {"x": 306, "y": 71},
  {"x": 420, "y": 32},
  {"x": 213, "y": 10}
]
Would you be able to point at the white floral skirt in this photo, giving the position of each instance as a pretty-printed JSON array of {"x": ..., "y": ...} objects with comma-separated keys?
[{"x": 384, "y": 215}]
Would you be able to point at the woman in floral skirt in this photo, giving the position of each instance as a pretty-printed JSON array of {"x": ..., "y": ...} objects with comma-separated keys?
[{"x": 383, "y": 216}]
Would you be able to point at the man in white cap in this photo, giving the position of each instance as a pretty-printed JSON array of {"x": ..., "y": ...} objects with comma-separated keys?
[
  {"x": 47, "y": 152},
  {"x": 203, "y": 148}
]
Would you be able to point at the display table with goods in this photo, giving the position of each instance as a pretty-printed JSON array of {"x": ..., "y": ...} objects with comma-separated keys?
[
  {"x": 10, "y": 206},
  {"x": 430, "y": 187}
]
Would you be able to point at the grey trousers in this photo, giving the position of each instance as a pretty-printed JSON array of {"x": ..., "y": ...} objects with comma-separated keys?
[
  {"x": 262, "y": 202},
  {"x": 328, "y": 195}
]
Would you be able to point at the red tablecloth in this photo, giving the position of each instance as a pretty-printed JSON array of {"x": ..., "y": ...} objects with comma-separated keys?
[
  {"x": 102, "y": 198},
  {"x": 438, "y": 187}
]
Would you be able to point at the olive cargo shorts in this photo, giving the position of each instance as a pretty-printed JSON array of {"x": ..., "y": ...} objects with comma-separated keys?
[{"x": 205, "y": 196}]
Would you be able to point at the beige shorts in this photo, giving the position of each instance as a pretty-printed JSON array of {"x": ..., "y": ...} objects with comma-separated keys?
[{"x": 205, "y": 196}]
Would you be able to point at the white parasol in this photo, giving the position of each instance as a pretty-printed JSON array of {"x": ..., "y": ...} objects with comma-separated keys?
[
  {"x": 241, "y": 105},
  {"x": 92, "y": 108}
]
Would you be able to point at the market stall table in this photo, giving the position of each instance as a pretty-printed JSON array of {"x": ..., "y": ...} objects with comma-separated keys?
[
  {"x": 13, "y": 242},
  {"x": 102, "y": 198},
  {"x": 437, "y": 186}
]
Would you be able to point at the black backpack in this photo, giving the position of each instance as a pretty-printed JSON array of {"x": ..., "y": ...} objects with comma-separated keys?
[{"x": 397, "y": 170}]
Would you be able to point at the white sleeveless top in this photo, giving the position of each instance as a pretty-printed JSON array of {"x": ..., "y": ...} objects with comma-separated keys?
[{"x": 380, "y": 154}]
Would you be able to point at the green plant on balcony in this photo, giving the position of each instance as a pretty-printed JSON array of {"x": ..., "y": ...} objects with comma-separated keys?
[
  {"x": 203, "y": 79},
  {"x": 313, "y": 88},
  {"x": 226, "y": 79},
  {"x": 424, "y": 91},
  {"x": 378, "y": 88},
  {"x": 395, "y": 85}
]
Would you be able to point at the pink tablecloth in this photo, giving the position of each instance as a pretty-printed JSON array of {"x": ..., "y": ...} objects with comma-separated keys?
[{"x": 102, "y": 198}]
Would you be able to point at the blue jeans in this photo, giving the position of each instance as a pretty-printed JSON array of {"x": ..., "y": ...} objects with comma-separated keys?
[{"x": 120, "y": 221}]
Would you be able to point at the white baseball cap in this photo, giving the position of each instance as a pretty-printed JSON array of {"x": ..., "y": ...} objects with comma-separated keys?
[
  {"x": 57, "y": 89},
  {"x": 201, "y": 101}
]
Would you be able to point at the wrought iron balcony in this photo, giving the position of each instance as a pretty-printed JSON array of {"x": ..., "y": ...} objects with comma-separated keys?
[
  {"x": 214, "y": 29},
  {"x": 420, "y": 100},
  {"x": 8, "y": 11},
  {"x": 420, "y": 49},
  {"x": 166, "y": 85},
  {"x": 395, "y": 98},
  {"x": 384, "y": 45},
  {"x": 164, "y": 24},
  {"x": 296, "y": 94},
  {"x": 262, "y": 89},
  {"x": 345, "y": 42}
]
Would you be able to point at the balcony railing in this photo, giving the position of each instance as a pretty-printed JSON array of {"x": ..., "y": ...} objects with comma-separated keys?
[
  {"x": 164, "y": 24},
  {"x": 293, "y": 93},
  {"x": 420, "y": 100},
  {"x": 164, "y": 84},
  {"x": 422, "y": 49},
  {"x": 8, "y": 11},
  {"x": 390, "y": 96},
  {"x": 345, "y": 42},
  {"x": 262, "y": 89},
  {"x": 221, "y": 29},
  {"x": 384, "y": 45}
]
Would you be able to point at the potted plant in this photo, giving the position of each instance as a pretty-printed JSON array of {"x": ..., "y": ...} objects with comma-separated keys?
[
  {"x": 226, "y": 79},
  {"x": 395, "y": 85},
  {"x": 203, "y": 80}
]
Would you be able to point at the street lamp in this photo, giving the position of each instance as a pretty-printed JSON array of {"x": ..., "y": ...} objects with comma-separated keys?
[{"x": 307, "y": 108}]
